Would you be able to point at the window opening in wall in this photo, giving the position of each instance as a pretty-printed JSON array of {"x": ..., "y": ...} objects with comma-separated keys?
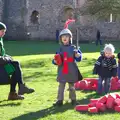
[{"x": 35, "y": 17}]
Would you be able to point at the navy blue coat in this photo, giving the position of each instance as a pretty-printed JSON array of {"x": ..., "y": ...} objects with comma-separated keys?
[{"x": 102, "y": 70}]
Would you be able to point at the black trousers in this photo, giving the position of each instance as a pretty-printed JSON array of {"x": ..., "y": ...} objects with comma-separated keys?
[
  {"x": 98, "y": 41},
  {"x": 14, "y": 79},
  {"x": 16, "y": 76}
]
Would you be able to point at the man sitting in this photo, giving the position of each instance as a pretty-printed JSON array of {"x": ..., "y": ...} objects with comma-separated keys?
[{"x": 13, "y": 71}]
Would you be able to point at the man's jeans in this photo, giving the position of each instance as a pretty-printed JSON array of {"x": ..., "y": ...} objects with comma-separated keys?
[{"x": 98, "y": 41}]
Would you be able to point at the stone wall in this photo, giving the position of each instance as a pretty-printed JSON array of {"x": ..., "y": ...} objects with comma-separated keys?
[
  {"x": 1, "y": 9},
  {"x": 109, "y": 31},
  {"x": 49, "y": 16},
  {"x": 14, "y": 12}
]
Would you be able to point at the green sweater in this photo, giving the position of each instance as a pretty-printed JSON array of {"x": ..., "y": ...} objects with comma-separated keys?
[{"x": 8, "y": 67}]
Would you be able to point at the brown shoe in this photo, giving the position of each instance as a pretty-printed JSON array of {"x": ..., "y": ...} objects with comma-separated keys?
[
  {"x": 24, "y": 89},
  {"x": 15, "y": 96}
]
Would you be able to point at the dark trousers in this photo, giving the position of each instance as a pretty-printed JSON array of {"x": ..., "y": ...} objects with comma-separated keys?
[
  {"x": 98, "y": 41},
  {"x": 106, "y": 85},
  {"x": 15, "y": 78},
  {"x": 119, "y": 71}
]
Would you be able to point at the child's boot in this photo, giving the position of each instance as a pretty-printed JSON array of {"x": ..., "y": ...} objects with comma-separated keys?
[
  {"x": 58, "y": 103},
  {"x": 74, "y": 102}
]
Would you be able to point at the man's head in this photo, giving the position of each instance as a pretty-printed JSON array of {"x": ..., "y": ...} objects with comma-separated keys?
[{"x": 2, "y": 29}]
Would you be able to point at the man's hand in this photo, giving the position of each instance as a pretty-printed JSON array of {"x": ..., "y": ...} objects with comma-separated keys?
[
  {"x": 5, "y": 59},
  {"x": 9, "y": 57}
]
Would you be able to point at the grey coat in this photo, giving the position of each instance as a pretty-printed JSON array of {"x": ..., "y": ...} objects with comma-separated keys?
[{"x": 72, "y": 75}]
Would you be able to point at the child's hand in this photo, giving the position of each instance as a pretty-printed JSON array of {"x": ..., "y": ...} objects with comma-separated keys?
[
  {"x": 77, "y": 54},
  {"x": 55, "y": 61},
  {"x": 75, "y": 50},
  {"x": 58, "y": 59}
]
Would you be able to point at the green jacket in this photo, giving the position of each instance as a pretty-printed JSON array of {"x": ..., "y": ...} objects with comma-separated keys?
[{"x": 8, "y": 67}]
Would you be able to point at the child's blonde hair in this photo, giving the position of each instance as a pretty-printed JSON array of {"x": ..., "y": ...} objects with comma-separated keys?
[{"x": 109, "y": 48}]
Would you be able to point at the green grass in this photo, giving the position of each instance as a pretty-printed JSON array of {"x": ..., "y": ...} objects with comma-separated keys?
[{"x": 39, "y": 73}]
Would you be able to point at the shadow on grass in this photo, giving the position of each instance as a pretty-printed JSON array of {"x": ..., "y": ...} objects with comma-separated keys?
[
  {"x": 99, "y": 113},
  {"x": 39, "y": 75},
  {"x": 44, "y": 113},
  {"x": 8, "y": 104},
  {"x": 36, "y": 64},
  {"x": 34, "y": 75},
  {"x": 3, "y": 101},
  {"x": 87, "y": 98}
]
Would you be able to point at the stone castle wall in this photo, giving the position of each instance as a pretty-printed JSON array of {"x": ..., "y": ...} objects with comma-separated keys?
[
  {"x": 16, "y": 14},
  {"x": 49, "y": 15},
  {"x": 109, "y": 31},
  {"x": 1, "y": 9}
]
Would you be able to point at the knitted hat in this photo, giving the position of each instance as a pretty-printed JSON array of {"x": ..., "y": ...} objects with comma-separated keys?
[
  {"x": 118, "y": 55},
  {"x": 2, "y": 26}
]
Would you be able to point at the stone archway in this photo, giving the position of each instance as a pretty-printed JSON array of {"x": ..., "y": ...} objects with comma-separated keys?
[{"x": 67, "y": 12}]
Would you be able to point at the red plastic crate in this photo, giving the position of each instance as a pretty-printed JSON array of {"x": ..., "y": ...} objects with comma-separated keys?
[
  {"x": 117, "y": 108},
  {"x": 81, "y": 107},
  {"x": 92, "y": 110}
]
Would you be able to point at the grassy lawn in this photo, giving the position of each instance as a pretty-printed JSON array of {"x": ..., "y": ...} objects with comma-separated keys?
[{"x": 38, "y": 72}]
